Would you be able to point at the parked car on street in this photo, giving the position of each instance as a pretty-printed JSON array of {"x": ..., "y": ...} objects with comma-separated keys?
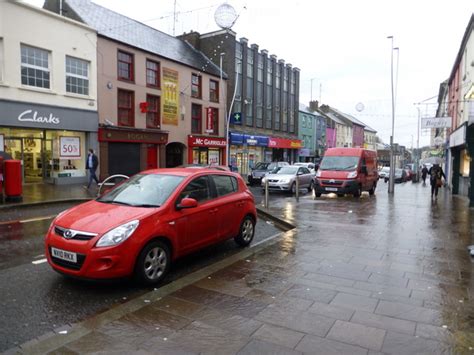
[
  {"x": 400, "y": 176},
  {"x": 139, "y": 227},
  {"x": 261, "y": 169},
  {"x": 384, "y": 172},
  {"x": 311, "y": 167},
  {"x": 347, "y": 171},
  {"x": 285, "y": 179}
]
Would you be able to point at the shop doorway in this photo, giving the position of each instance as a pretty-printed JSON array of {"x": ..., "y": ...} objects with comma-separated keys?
[
  {"x": 152, "y": 157},
  {"x": 174, "y": 154}
]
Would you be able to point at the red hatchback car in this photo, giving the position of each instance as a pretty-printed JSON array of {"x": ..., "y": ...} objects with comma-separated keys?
[{"x": 140, "y": 226}]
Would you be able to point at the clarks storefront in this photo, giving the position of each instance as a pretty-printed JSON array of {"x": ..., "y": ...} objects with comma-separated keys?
[{"x": 51, "y": 141}]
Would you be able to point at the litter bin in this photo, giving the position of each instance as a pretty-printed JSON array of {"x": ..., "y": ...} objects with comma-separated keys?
[{"x": 13, "y": 181}]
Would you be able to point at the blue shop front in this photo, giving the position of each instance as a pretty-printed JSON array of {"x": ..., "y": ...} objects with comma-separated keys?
[{"x": 247, "y": 150}]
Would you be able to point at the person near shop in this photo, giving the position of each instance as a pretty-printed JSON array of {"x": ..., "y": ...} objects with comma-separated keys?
[
  {"x": 436, "y": 175},
  {"x": 92, "y": 162},
  {"x": 424, "y": 173}
]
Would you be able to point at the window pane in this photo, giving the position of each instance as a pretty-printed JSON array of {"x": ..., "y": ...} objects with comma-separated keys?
[
  {"x": 224, "y": 184},
  {"x": 197, "y": 189}
]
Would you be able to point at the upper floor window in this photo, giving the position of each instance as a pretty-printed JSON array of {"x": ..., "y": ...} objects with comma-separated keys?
[
  {"x": 214, "y": 90},
  {"x": 125, "y": 66},
  {"x": 152, "y": 73},
  {"x": 153, "y": 111},
  {"x": 35, "y": 67},
  {"x": 260, "y": 68},
  {"x": 125, "y": 104},
  {"x": 77, "y": 76},
  {"x": 196, "y": 86},
  {"x": 196, "y": 118},
  {"x": 250, "y": 63}
]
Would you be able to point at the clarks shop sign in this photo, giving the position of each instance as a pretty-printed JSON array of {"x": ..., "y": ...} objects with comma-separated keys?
[{"x": 31, "y": 115}]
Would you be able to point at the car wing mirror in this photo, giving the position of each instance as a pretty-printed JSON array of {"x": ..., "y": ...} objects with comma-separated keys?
[{"x": 187, "y": 203}]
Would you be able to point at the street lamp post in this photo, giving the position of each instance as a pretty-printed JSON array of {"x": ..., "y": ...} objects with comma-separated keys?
[{"x": 391, "y": 182}]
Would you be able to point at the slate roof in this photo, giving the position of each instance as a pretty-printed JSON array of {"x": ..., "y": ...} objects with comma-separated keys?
[{"x": 123, "y": 29}]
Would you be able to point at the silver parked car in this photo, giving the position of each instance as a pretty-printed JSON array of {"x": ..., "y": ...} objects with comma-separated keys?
[
  {"x": 263, "y": 168},
  {"x": 285, "y": 179},
  {"x": 311, "y": 167}
]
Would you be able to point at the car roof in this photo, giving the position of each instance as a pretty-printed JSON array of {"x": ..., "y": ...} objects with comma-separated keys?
[{"x": 185, "y": 171}]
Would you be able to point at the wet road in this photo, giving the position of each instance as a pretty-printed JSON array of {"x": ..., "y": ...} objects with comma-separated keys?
[{"x": 36, "y": 300}]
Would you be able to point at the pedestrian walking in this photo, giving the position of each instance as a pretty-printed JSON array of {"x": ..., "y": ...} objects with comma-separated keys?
[
  {"x": 424, "y": 173},
  {"x": 436, "y": 175},
  {"x": 92, "y": 162}
]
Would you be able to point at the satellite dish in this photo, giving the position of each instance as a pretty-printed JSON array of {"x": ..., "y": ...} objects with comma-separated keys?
[
  {"x": 225, "y": 16},
  {"x": 360, "y": 107}
]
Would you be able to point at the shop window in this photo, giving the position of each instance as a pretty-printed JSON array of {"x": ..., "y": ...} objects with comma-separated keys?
[
  {"x": 465, "y": 162},
  {"x": 196, "y": 118},
  {"x": 125, "y": 112},
  {"x": 35, "y": 67},
  {"x": 152, "y": 74},
  {"x": 125, "y": 66},
  {"x": 214, "y": 90},
  {"x": 153, "y": 111},
  {"x": 77, "y": 76},
  {"x": 196, "y": 86}
]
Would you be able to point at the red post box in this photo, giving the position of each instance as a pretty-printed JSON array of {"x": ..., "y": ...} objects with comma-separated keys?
[
  {"x": 1, "y": 179},
  {"x": 13, "y": 180}
]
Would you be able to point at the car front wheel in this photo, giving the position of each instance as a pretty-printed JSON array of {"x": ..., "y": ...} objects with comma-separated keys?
[
  {"x": 153, "y": 263},
  {"x": 246, "y": 232}
]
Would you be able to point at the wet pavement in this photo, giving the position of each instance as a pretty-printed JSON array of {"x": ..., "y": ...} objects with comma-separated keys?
[{"x": 382, "y": 274}]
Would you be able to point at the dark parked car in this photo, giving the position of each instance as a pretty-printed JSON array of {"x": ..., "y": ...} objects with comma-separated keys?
[{"x": 400, "y": 176}]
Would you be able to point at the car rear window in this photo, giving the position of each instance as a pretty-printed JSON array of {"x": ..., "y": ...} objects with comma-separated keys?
[{"x": 225, "y": 184}]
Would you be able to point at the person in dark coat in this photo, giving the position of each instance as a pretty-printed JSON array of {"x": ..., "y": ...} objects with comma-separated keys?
[
  {"x": 424, "y": 173},
  {"x": 436, "y": 173},
  {"x": 92, "y": 162}
]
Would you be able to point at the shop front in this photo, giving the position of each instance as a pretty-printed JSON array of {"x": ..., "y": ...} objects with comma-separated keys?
[
  {"x": 461, "y": 152},
  {"x": 206, "y": 150},
  {"x": 50, "y": 141},
  {"x": 247, "y": 150},
  {"x": 284, "y": 149},
  {"x": 129, "y": 151}
]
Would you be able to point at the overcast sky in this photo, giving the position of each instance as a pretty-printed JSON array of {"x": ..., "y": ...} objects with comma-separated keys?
[{"x": 341, "y": 45}]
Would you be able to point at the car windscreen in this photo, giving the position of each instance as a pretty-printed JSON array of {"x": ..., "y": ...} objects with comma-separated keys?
[
  {"x": 342, "y": 163},
  {"x": 288, "y": 170},
  {"x": 261, "y": 166},
  {"x": 143, "y": 190}
]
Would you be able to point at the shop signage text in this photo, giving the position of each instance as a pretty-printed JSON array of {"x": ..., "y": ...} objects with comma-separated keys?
[
  {"x": 285, "y": 143},
  {"x": 27, "y": 116},
  {"x": 70, "y": 147},
  {"x": 207, "y": 142},
  {"x": 436, "y": 122}
]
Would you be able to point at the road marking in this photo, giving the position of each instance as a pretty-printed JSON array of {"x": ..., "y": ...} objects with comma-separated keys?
[
  {"x": 27, "y": 220},
  {"x": 267, "y": 239},
  {"x": 40, "y": 261}
]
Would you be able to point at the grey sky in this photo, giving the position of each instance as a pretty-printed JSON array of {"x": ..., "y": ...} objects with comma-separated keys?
[{"x": 341, "y": 45}]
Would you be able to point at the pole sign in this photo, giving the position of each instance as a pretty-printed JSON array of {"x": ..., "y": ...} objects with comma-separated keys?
[
  {"x": 436, "y": 122},
  {"x": 209, "y": 120}
]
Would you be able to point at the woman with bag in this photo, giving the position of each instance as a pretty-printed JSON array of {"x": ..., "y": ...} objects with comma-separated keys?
[{"x": 436, "y": 175}]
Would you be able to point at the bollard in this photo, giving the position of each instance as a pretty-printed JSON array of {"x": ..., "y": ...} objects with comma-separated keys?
[
  {"x": 265, "y": 201},
  {"x": 297, "y": 192}
]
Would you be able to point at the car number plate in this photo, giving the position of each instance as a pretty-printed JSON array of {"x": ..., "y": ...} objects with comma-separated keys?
[
  {"x": 331, "y": 188},
  {"x": 64, "y": 255}
]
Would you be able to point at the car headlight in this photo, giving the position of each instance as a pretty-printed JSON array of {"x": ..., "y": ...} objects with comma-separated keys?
[
  {"x": 318, "y": 173},
  {"x": 352, "y": 175},
  {"x": 118, "y": 234},
  {"x": 284, "y": 181}
]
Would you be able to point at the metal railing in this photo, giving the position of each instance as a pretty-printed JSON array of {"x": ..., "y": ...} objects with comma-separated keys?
[{"x": 106, "y": 183}]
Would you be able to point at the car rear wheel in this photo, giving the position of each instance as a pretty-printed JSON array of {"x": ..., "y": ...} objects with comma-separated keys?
[
  {"x": 358, "y": 192},
  {"x": 372, "y": 190},
  {"x": 153, "y": 263},
  {"x": 246, "y": 232}
]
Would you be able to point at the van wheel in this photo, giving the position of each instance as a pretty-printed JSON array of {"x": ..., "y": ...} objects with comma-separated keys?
[
  {"x": 246, "y": 232},
  {"x": 358, "y": 192},
  {"x": 318, "y": 194},
  {"x": 311, "y": 186},
  {"x": 153, "y": 263},
  {"x": 372, "y": 190}
]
